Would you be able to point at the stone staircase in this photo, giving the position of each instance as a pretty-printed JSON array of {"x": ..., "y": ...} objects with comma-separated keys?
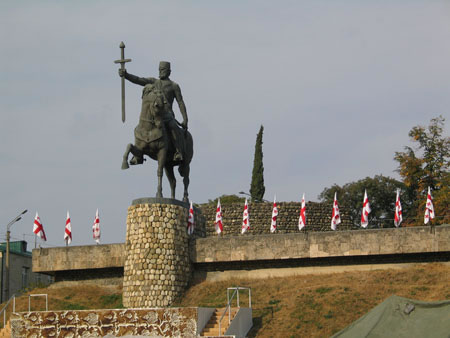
[
  {"x": 6, "y": 331},
  {"x": 212, "y": 328}
]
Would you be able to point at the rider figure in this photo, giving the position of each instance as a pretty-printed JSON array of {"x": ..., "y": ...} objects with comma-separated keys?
[{"x": 171, "y": 91}]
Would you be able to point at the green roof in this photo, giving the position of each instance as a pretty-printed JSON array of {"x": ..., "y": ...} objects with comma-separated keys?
[{"x": 17, "y": 247}]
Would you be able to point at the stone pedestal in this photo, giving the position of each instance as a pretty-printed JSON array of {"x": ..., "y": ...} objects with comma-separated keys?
[{"x": 157, "y": 267}]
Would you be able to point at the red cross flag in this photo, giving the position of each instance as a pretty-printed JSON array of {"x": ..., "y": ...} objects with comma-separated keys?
[
  {"x": 218, "y": 223},
  {"x": 398, "y": 210},
  {"x": 190, "y": 225},
  {"x": 68, "y": 230},
  {"x": 365, "y": 211},
  {"x": 245, "y": 218},
  {"x": 38, "y": 229},
  {"x": 96, "y": 228},
  {"x": 302, "y": 218},
  {"x": 429, "y": 209},
  {"x": 335, "y": 217},
  {"x": 273, "y": 225}
]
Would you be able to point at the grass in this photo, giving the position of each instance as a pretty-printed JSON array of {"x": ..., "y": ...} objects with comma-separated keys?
[
  {"x": 299, "y": 306},
  {"x": 321, "y": 305}
]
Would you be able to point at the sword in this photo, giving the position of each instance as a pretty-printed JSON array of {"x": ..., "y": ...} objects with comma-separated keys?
[{"x": 122, "y": 62}]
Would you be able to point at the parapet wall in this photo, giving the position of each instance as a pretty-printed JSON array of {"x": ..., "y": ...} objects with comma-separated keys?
[
  {"x": 318, "y": 218},
  {"x": 322, "y": 244},
  {"x": 51, "y": 260}
]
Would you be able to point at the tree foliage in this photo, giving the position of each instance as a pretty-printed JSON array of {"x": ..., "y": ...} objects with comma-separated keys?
[
  {"x": 257, "y": 188},
  {"x": 427, "y": 166},
  {"x": 381, "y": 191},
  {"x": 227, "y": 199}
]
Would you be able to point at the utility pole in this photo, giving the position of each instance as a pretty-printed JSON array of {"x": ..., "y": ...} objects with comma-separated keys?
[{"x": 8, "y": 235}]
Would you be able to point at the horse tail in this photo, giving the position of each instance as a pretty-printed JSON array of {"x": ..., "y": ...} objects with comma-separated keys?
[{"x": 188, "y": 153}]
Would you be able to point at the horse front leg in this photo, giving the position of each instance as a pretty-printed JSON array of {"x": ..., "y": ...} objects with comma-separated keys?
[
  {"x": 172, "y": 180},
  {"x": 162, "y": 155},
  {"x": 125, "y": 157}
]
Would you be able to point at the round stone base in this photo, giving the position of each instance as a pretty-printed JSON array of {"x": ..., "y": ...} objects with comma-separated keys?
[{"x": 157, "y": 267}]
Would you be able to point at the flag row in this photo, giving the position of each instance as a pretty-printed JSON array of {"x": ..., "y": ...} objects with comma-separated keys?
[
  {"x": 335, "y": 215},
  {"x": 38, "y": 229}
]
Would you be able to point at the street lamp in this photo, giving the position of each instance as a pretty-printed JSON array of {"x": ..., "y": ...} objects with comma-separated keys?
[{"x": 8, "y": 233}]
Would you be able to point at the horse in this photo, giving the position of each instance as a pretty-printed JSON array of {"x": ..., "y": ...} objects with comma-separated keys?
[{"x": 153, "y": 139}]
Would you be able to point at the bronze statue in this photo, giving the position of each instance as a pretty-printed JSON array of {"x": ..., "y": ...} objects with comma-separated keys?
[{"x": 158, "y": 134}]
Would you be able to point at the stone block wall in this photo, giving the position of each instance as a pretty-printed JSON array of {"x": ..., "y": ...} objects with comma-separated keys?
[
  {"x": 169, "y": 322},
  {"x": 157, "y": 267},
  {"x": 318, "y": 218}
]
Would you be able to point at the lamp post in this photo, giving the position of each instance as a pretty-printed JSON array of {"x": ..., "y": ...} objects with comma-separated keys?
[
  {"x": 246, "y": 193},
  {"x": 8, "y": 233}
]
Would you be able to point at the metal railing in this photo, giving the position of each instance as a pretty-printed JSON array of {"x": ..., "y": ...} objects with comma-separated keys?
[
  {"x": 229, "y": 300},
  {"x": 13, "y": 298},
  {"x": 38, "y": 295}
]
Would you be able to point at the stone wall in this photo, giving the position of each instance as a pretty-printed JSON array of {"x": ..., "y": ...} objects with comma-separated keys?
[
  {"x": 276, "y": 247},
  {"x": 50, "y": 260},
  {"x": 157, "y": 267},
  {"x": 318, "y": 218},
  {"x": 169, "y": 322}
]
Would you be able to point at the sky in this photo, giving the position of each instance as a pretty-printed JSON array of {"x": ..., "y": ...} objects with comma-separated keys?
[{"x": 337, "y": 85}]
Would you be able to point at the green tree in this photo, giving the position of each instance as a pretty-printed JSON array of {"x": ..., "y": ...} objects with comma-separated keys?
[
  {"x": 381, "y": 191},
  {"x": 227, "y": 199},
  {"x": 257, "y": 187},
  {"x": 427, "y": 166}
]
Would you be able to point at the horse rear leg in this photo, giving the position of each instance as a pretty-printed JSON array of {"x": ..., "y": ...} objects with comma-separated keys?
[
  {"x": 162, "y": 155},
  {"x": 171, "y": 177},
  {"x": 184, "y": 172}
]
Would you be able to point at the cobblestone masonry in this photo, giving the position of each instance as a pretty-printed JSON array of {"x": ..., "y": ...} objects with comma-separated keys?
[
  {"x": 157, "y": 267},
  {"x": 318, "y": 218}
]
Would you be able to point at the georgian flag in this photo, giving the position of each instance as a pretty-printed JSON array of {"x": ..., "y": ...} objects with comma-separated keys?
[
  {"x": 218, "y": 223},
  {"x": 335, "y": 217},
  {"x": 398, "y": 210},
  {"x": 429, "y": 209},
  {"x": 365, "y": 211},
  {"x": 245, "y": 218},
  {"x": 273, "y": 225},
  {"x": 68, "y": 230},
  {"x": 190, "y": 225},
  {"x": 96, "y": 228},
  {"x": 38, "y": 229},
  {"x": 302, "y": 218}
]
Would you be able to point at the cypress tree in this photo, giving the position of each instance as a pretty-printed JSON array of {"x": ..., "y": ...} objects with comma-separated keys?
[{"x": 257, "y": 188}]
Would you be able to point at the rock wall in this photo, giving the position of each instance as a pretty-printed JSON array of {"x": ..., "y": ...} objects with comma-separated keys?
[
  {"x": 157, "y": 267},
  {"x": 318, "y": 218},
  {"x": 171, "y": 322}
]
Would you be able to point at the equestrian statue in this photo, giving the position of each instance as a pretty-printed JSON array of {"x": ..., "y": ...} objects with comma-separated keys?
[{"x": 158, "y": 134}]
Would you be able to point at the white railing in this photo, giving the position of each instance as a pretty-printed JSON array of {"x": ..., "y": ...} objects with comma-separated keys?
[
  {"x": 38, "y": 295},
  {"x": 13, "y": 298},
  {"x": 229, "y": 300}
]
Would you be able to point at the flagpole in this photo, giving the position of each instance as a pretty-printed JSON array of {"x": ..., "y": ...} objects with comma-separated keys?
[{"x": 35, "y": 239}]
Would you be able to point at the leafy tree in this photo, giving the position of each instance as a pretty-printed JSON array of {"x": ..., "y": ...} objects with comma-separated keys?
[
  {"x": 381, "y": 191},
  {"x": 257, "y": 187},
  {"x": 427, "y": 166},
  {"x": 227, "y": 199}
]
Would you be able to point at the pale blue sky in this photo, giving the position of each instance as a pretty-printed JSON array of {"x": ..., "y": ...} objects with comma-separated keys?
[{"x": 337, "y": 86}]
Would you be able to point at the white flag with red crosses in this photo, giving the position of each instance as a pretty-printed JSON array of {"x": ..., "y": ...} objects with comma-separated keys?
[
  {"x": 273, "y": 225},
  {"x": 365, "y": 211},
  {"x": 218, "y": 223},
  {"x": 335, "y": 217},
  {"x": 398, "y": 218},
  {"x": 96, "y": 228},
  {"x": 38, "y": 229},
  {"x": 429, "y": 208},
  {"x": 245, "y": 218},
  {"x": 68, "y": 230},
  {"x": 302, "y": 218},
  {"x": 190, "y": 225}
]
